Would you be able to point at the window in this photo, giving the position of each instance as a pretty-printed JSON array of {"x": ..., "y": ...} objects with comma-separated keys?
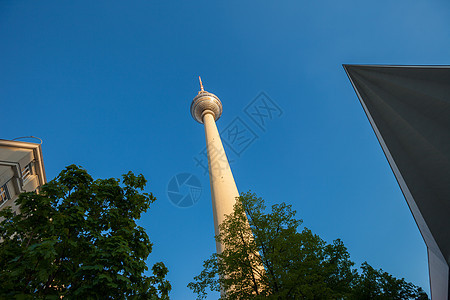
[
  {"x": 27, "y": 171},
  {"x": 4, "y": 195}
]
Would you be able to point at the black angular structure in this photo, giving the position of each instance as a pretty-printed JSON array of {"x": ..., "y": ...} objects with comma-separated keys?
[{"x": 409, "y": 110}]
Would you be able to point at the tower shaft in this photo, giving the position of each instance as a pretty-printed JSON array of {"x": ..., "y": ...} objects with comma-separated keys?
[
  {"x": 206, "y": 109},
  {"x": 223, "y": 186}
]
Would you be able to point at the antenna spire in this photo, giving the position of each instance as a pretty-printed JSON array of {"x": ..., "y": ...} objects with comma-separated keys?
[{"x": 201, "y": 84}]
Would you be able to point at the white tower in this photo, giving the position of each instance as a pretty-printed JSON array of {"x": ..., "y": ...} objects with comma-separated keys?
[{"x": 206, "y": 109}]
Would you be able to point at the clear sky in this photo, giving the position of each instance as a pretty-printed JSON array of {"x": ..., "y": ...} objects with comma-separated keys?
[{"x": 107, "y": 85}]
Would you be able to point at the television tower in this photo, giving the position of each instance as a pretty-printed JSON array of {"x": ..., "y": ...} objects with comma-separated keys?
[{"x": 206, "y": 109}]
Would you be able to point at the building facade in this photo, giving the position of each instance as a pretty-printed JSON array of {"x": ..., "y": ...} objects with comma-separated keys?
[
  {"x": 408, "y": 108},
  {"x": 21, "y": 170}
]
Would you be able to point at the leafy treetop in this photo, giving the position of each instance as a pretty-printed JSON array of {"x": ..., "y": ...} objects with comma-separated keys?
[
  {"x": 266, "y": 256},
  {"x": 78, "y": 238}
]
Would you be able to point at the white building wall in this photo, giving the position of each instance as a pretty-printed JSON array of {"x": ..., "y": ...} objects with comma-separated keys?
[{"x": 21, "y": 170}]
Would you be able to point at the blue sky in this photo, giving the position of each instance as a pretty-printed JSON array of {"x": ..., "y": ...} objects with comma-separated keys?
[{"x": 107, "y": 85}]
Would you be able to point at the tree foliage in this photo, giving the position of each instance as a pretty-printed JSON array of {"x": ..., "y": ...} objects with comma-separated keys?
[
  {"x": 78, "y": 239},
  {"x": 377, "y": 284},
  {"x": 267, "y": 256}
]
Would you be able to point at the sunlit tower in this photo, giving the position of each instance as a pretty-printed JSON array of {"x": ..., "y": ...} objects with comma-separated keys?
[{"x": 206, "y": 109}]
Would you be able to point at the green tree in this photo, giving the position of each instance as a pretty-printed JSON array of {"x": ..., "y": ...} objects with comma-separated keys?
[
  {"x": 78, "y": 239},
  {"x": 267, "y": 256},
  {"x": 380, "y": 285}
]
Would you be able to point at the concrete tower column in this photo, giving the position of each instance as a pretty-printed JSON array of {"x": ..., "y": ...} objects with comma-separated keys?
[
  {"x": 206, "y": 108},
  {"x": 223, "y": 186}
]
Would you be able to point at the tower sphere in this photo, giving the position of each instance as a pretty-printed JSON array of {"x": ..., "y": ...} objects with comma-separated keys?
[{"x": 205, "y": 101}]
